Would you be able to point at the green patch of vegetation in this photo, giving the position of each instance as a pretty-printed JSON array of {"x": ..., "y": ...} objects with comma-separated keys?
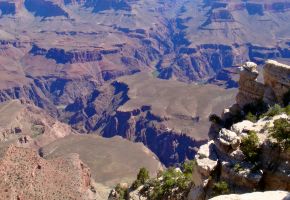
[
  {"x": 287, "y": 110},
  {"x": 238, "y": 167},
  {"x": 250, "y": 147},
  {"x": 220, "y": 188},
  {"x": 281, "y": 132},
  {"x": 275, "y": 110},
  {"x": 188, "y": 166},
  {"x": 122, "y": 192},
  {"x": 251, "y": 117},
  {"x": 170, "y": 184},
  {"x": 142, "y": 177}
]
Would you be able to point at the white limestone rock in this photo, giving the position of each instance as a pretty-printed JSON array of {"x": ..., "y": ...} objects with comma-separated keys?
[{"x": 271, "y": 195}]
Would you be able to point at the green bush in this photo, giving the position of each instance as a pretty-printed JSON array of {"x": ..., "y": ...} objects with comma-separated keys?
[
  {"x": 251, "y": 117},
  {"x": 287, "y": 110},
  {"x": 136, "y": 184},
  {"x": 123, "y": 193},
  {"x": 187, "y": 167},
  {"x": 250, "y": 146},
  {"x": 275, "y": 110},
  {"x": 172, "y": 182},
  {"x": 281, "y": 132},
  {"x": 220, "y": 188},
  {"x": 169, "y": 184},
  {"x": 143, "y": 175}
]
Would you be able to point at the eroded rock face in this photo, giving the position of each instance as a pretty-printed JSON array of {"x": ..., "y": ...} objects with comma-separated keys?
[
  {"x": 28, "y": 125},
  {"x": 25, "y": 175},
  {"x": 277, "y": 78},
  {"x": 249, "y": 89},
  {"x": 276, "y": 83}
]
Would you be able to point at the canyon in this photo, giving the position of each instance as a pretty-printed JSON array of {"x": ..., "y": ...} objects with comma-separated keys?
[
  {"x": 67, "y": 61},
  {"x": 111, "y": 73}
]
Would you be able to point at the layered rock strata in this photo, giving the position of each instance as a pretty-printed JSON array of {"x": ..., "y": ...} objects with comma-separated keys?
[{"x": 276, "y": 83}]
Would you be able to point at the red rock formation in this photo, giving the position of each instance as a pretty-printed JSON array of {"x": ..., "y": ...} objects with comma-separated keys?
[{"x": 25, "y": 175}]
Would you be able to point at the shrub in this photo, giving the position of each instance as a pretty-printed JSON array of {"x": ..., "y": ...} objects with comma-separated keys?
[
  {"x": 250, "y": 146},
  {"x": 143, "y": 175},
  {"x": 174, "y": 184},
  {"x": 188, "y": 166},
  {"x": 169, "y": 184},
  {"x": 281, "y": 132},
  {"x": 251, "y": 117},
  {"x": 136, "y": 184},
  {"x": 220, "y": 188},
  {"x": 275, "y": 110},
  {"x": 123, "y": 193},
  {"x": 287, "y": 110}
]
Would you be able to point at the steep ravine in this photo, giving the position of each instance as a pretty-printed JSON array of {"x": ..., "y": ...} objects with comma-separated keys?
[
  {"x": 139, "y": 125},
  {"x": 142, "y": 126}
]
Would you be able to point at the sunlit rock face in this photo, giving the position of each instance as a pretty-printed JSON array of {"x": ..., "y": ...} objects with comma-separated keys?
[{"x": 276, "y": 83}]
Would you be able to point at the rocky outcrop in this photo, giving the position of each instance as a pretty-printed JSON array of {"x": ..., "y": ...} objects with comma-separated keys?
[
  {"x": 277, "y": 80},
  {"x": 28, "y": 126},
  {"x": 276, "y": 83},
  {"x": 25, "y": 175},
  {"x": 223, "y": 158}
]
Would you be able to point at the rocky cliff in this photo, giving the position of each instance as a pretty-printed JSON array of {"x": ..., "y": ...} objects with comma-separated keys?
[
  {"x": 25, "y": 175},
  {"x": 225, "y": 160},
  {"x": 26, "y": 125},
  {"x": 276, "y": 83}
]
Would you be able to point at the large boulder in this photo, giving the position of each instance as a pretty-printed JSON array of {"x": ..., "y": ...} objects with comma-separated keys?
[
  {"x": 227, "y": 141},
  {"x": 241, "y": 127},
  {"x": 206, "y": 159}
]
